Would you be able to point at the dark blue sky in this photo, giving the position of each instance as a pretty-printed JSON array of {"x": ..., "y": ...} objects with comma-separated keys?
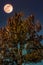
[{"x": 27, "y": 6}]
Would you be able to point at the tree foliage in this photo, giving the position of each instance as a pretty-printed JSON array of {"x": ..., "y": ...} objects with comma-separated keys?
[{"x": 22, "y": 32}]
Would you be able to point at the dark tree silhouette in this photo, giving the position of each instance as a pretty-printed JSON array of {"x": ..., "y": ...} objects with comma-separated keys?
[{"x": 17, "y": 35}]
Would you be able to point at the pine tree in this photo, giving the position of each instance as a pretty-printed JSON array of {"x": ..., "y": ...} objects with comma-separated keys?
[{"x": 17, "y": 35}]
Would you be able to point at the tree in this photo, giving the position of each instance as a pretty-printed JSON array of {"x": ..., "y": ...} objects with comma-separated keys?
[{"x": 17, "y": 35}]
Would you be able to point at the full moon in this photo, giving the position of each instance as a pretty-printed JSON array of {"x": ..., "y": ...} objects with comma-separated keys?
[{"x": 8, "y": 8}]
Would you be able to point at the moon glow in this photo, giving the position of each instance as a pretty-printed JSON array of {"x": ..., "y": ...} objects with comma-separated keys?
[{"x": 8, "y": 8}]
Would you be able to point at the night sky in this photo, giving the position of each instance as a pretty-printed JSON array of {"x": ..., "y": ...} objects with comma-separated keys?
[{"x": 27, "y": 6}]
